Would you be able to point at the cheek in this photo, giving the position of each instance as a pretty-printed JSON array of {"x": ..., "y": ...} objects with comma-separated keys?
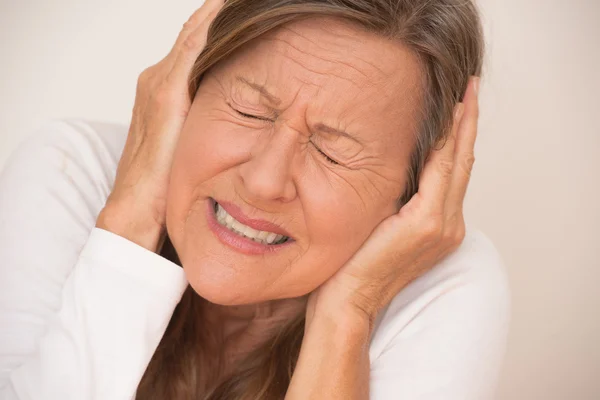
[
  {"x": 335, "y": 219},
  {"x": 338, "y": 222},
  {"x": 202, "y": 152},
  {"x": 207, "y": 147}
]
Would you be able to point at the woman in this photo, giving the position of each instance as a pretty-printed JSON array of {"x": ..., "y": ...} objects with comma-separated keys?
[{"x": 275, "y": 157}]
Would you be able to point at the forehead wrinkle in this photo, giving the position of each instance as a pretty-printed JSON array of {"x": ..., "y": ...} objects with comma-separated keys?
[
  {"x": 287, "y": 28},
  {"x": 284, "y": 53},
  {"x": 339, "y": 32},
  {"x": 333, "y": 61},
  {"x": 310, "y": 55},
  {"x": 290, "y": 46}
]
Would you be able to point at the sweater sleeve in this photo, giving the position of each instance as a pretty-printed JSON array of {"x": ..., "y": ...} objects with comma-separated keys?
[
  {"x": 81, "y": 309},
  {"x": 116, "y": 305},
  {"x": 444, "y": 337}
]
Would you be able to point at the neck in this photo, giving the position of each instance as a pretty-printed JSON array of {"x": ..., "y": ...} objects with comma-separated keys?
[
  {"x": 244, "y": 327},
  {"x": 258, "y": 318}
]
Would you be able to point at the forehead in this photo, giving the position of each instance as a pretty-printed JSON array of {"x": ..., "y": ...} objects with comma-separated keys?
[{"x": 337, "y": 68}]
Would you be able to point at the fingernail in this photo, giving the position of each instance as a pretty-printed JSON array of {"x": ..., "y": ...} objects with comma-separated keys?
[{"x": 460, "y": 109}]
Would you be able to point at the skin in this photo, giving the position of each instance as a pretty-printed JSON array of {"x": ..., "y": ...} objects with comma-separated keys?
[
  {"x": 272, "y": 168},
  {"x": 353, "y": 251}
]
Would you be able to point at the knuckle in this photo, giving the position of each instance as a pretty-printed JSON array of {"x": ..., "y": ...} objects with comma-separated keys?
[
  {"x": 445, "y": 167},
  {"x": 187, "y": 25},
  {"x": 191, "y": 43},
  {"x": 432, "y": 230},
  {"x": 192, "y": 20},
  {"x": 467, "y": 163},
  {"x": 144, "y": 77},
  {"x": 453, "y": 236},
  {"x": 448, "y": 235},
  {"x": 459, "y": 234},
  {"x": 162, "y": 95},
  {"x": 147, "y": 78}
]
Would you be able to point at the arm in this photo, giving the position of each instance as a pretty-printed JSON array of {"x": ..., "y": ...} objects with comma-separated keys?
[
  {"x": 334, "y": 357},
  {"x": 452, "y": 349},
  {"x": 442, "y": 338},
  {"x": 445, "y": 336},
  {"x": 71, "y": 301},
  {"x": 114, "y": 305},
  {"x": 115, "y": 308},
  {"x": 401, "y": 249}
]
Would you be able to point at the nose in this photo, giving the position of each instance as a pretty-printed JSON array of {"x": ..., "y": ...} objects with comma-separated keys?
[{"x": 267, "y": 175}]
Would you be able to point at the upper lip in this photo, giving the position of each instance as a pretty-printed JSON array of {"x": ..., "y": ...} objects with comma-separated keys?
[{"x": 258, "y": 224}]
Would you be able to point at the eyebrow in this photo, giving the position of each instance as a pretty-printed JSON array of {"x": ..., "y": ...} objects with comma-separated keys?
[
  {"x": 275, "y": 100},
  {"x": 261, "y": 89},
  {"x": 326, "y": 128}
]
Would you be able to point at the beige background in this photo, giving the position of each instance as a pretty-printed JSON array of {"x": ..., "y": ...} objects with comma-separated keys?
[{"x": 536, "y": 184}]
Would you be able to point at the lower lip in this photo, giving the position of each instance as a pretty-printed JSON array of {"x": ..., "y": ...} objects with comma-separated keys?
[{"x": 235, "y": 241}]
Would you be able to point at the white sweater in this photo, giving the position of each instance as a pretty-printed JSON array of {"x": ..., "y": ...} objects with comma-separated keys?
[{"x": 82, "y": 309}]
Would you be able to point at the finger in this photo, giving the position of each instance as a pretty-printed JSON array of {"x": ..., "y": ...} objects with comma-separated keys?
[
  {"x": 196, "y": 19},
  {"x": 437, "y": 172},
  {"x": 465, "y": 150},
  {"x": 190, "y": 50}
]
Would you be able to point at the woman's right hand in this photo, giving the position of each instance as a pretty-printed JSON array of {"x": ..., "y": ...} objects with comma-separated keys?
[{"x": 135, "y": 209}]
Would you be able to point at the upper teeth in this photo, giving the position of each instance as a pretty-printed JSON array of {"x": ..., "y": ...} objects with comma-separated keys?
[{"x": 236, "y": 226}]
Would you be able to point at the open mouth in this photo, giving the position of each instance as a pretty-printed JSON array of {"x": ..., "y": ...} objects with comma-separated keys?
[{"x": 264, "y": 237}]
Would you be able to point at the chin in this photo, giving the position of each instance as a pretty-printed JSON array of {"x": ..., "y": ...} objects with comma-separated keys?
[
  {"x": 215, "y": 294},
  {"x": 219, "y": 285}
]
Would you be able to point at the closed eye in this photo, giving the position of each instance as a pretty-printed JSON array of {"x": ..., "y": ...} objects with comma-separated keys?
[
  {"x": 331, "y": 160},
  {"x": 250, "y": 116}
]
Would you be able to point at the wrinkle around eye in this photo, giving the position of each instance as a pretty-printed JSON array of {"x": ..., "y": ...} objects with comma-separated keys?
[
  {"x": 250, "y": 111},
  {"x": 346, "y": 153},
  {"x": 354, "y": 189},
  {"x": 363, "y": 186},
  {"x": 229, "y": 116},
  {"x": 326, "y": 156}
]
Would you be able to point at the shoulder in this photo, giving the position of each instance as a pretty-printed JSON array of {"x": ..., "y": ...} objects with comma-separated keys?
[
  {"x": 51, "y": 190},
  {"x": 466, "y": 296},
  {"x": 87, "y": 142},
  {"x": 64, "y": 156}
]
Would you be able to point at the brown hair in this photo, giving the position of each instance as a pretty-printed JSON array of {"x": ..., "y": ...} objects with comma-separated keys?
[{"x": 446, "y": 37}]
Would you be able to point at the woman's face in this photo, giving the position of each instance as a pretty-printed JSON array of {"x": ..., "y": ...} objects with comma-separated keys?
[{"x": 305, "y": 133}]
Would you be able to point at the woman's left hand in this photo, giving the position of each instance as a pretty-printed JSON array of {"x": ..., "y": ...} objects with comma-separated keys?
[{"x": 409, "y": 243}]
